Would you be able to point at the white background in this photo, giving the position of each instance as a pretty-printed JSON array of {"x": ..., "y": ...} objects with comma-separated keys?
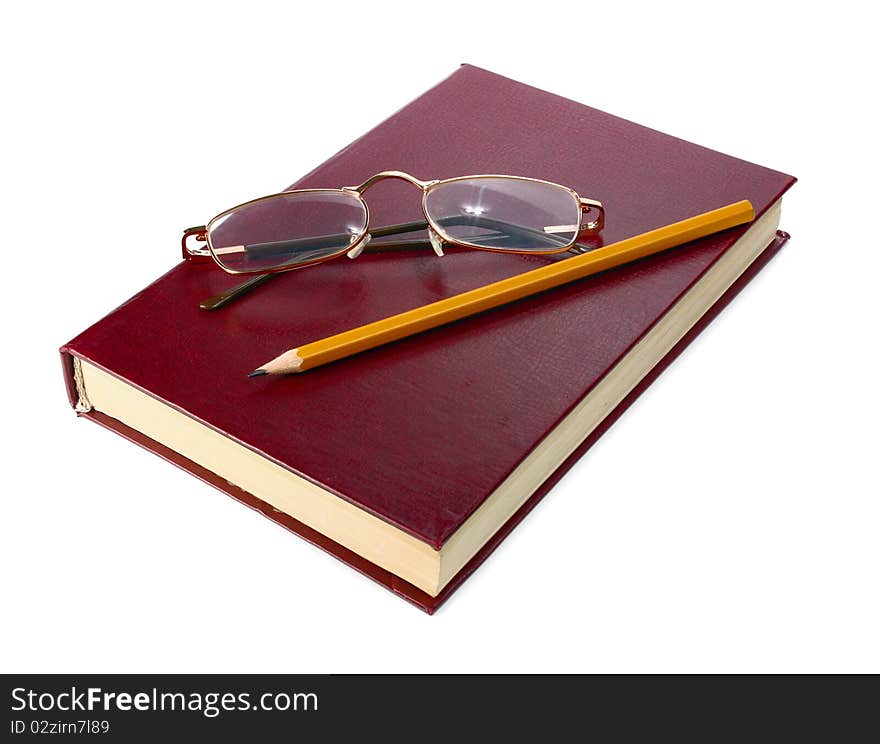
[{"x": 728, "y": 522}]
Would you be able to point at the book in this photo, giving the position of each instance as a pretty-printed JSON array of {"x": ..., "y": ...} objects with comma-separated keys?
[{"x": 412, "y": 461}]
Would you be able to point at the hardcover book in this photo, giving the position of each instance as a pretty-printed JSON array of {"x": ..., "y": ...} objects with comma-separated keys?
[{"x": 412, "y": 461}]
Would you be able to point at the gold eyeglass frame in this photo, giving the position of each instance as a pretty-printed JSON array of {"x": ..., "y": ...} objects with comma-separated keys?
[{"x": 437, "y": 235}]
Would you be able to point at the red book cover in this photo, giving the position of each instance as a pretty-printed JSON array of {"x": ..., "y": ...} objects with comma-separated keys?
[{"x": 420, "y": 432}]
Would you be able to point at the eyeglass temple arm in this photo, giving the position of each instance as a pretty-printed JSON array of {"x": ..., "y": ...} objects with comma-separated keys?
[{"x": 239, "y": 290}]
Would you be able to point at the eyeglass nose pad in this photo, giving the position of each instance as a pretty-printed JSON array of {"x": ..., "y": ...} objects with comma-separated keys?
[
  {"x": 359, "y": 248},
  {"x": 436, "y": 241}
]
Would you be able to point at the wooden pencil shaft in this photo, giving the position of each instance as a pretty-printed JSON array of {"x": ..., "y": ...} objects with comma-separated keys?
[{"x": 513, "y": 288}]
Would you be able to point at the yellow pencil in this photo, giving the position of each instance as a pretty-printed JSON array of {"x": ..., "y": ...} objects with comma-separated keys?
[{"x": 459, "y": 306}]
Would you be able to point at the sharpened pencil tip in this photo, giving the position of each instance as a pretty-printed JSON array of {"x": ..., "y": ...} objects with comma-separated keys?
[{"x": 258, "y": 373}]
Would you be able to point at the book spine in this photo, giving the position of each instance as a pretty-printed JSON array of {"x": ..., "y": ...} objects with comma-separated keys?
[{"x": 70, "y": 377}]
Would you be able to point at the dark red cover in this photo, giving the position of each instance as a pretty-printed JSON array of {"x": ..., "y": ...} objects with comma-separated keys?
[{"x": 420, "y": 432}]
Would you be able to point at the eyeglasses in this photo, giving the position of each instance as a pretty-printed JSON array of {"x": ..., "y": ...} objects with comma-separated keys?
[{"x": 295, "y": 229}]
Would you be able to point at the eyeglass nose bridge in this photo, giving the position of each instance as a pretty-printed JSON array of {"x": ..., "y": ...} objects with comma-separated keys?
[
  {"x": 399, "y": 175},
  {"x": 436, "y": 240}
]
